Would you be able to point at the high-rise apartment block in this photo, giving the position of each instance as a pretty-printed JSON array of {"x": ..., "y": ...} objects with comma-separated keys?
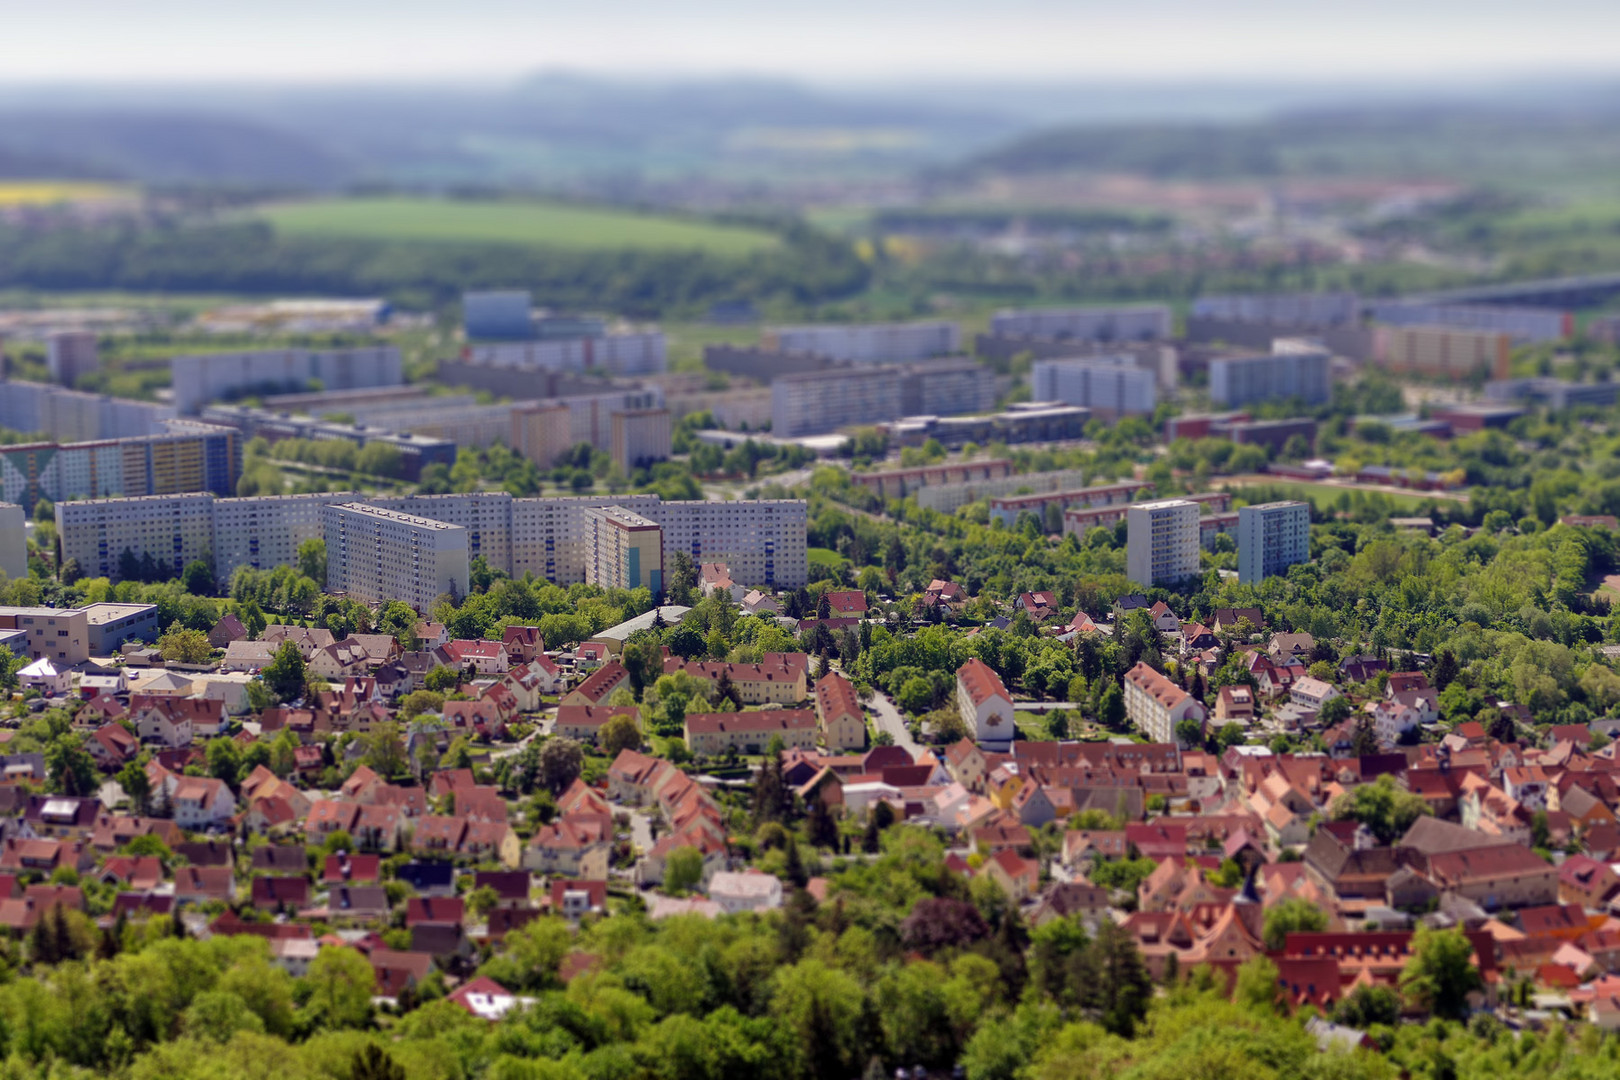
[
  {"x": 1108, "y": 386},
  {"x": 640, "y": 437},
  {"x": 627, "y": 550},
  {"x": 1271, "y": 538},
  {"x": 869, "y": 344},
  {"x": 1305, "y": 374},
  {"x": 175, "y": 530},
  {"x": 69, "y": 354},
  {"x": 376, "y": 556},
  {"x": 497, "y": 313},
  {"x": 630, "y": 352},
  {"x": 1162, "y": 548},
  {"x": 1442, "y": 351},
  {"x": 1301, "y": 309},
  {"x": 13, "y": 541},
  {"x": 200, "y": 379},
  {"x": 1135, "y": 322},
  {"x": 75, "y": 416},
  {"x": 1526, "y": 325},
  {"x": 826, "y": 401},
  {"x": 763, "y": 541},
  {"x": 944, "y": 387},
  {"x": 193, "y": 457}
]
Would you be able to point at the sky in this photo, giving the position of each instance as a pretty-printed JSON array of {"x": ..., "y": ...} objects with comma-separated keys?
[{"x": 826, "y": 42}]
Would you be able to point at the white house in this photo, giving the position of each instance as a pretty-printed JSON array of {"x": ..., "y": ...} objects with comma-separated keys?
[
  {"x": 985, "y": 705},
  {"x": 750, "y": 890},
  {"x": 44, "y": 676},
  {"x": 202, "y": 801},
  {"x": 1312, "y": 693}
]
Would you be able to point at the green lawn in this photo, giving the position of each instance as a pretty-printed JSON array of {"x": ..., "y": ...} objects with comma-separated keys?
[
  {"x": 1326, "y": 496},
  {"x": 546, "y": 224}
]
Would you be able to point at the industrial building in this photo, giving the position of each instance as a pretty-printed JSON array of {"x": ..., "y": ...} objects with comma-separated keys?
[
  {"x": 1110, "y": 387},
  {"x": 1271, "y": 538},
  {"x": 1163, "y": 543},
  {"x": 873, "y": 343},
  {"x": 376, "y": 556},
  {"x": 627, "y": 550},
  {"x": 200, "y": 379},
  {"x": 1135, "y": 322}
]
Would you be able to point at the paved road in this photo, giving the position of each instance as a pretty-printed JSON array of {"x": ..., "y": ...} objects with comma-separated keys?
[{"x": 890, "y": 719}]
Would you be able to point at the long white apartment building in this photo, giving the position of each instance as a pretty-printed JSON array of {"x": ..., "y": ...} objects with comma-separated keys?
[
  {"x": 1163, "y": 547},
  {"x": 376, "y": 556},
  {"x": 75, "y": 416},
  {"x": 817, "y": 403},
  {"x": 1288, "y": 372},
  {"x": 206, "y": 377},
  {"x": 1132, "y": 322},
  {"x": 763, "y": 541},
  {"x": 1271, "y": 537},
  {"x": 1113, "y": 385},
  {"x": 871, "y": 343},
  {"x": 642, "y": 352}
]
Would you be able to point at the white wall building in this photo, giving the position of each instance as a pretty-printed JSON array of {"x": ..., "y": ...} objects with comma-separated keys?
[
  {"x": 1113, "y": 385},
  {"x": 1163, "y": 542},
  {"x": 1156, "y": 705},
  {"x": 815, "y": 404},
  {"x": 1271, "y": 537},
  {"x": 375, "y": 555},
  {"x": 1305, "y": 374},
  {"x": 1135, "y": 322},
  {"x": 200, "y": 379},
  {"x": 640, "y": 352},
  {"x": 873, "y": 343},
  {"x": 985, "y": 705}
]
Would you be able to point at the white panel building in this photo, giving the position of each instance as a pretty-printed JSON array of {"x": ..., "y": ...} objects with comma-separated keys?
[
  {"x": 1113, "y": 385},
  {"x": 873, "y": 343},
  {"x": 1163, "y": 542},
  {"x": 376, "y": 556},
  {"x": 13, "y": 541},
  {"x": 1271, "y": 537},
  {"x": 1132, "y": 322},
  {"x": 206, "y": 377}
]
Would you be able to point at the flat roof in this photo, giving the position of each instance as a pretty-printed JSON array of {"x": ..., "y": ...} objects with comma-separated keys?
[
  {"x": 368, "y": 510},
  {"x": 106, "y": 612},
  {"x": 671, "y": 614},
  {"x": 628, "y": 519}
]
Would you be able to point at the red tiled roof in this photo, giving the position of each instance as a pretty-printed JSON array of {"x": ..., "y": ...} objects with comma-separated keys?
[{"x": 981, "y": 681}]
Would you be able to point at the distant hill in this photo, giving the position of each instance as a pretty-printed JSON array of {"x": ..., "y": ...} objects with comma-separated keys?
[
  {"x": 1468, "y": 142},
  {"x": 163, "y": 147}
]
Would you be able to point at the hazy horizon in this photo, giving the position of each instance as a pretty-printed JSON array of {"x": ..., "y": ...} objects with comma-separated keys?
[{"x": 487, "y": 43}]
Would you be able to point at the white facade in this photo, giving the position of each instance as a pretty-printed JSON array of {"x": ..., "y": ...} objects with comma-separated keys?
[
  {"x": 1156, "y": 705},
  {"x": 69, "y": 354},
  {"x": 375, "y": 555},
  {"x": 826, "y": 401},
  {"x": 762, "y": 540},
  {"x": 13, "y": 541},
  {"x": 1163, "y": 545},
  {"x": 984, "y": 705},
  {"x": 873, "y": 343},
  {"x": 749, "y": 890},
  {"x": 1136, "y": 322},
  {"x": 1303, "y": 309},
  {"x": 640, "y": 437},
  {"x": 178, "y": 529},
  {"x": 1239, "y": 380},
  {"x": 1109, "y": 384},
  {"x": 72, "y": 415},
  {"x": 207, "y": 377},
  {"x": 1271, "y": 537},
  {"x": 631, "y": 353}
]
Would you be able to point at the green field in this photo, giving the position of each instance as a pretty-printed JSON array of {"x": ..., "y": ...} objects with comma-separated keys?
[
  {"x": 1326, "y": 496},
  {"x": 540, "y": 224}
]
